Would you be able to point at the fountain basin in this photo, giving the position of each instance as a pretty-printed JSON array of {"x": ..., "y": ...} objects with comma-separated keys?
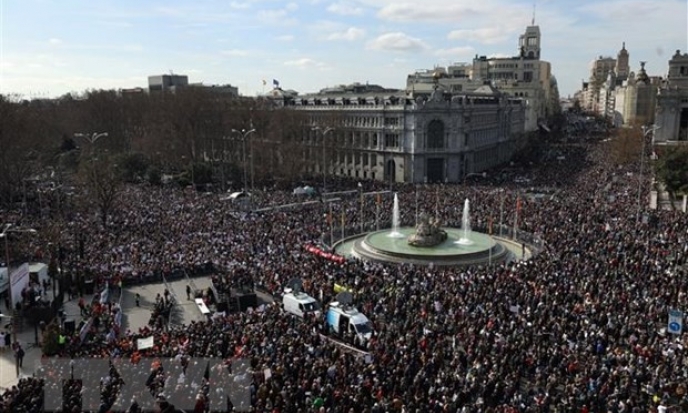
[{"x": 379, "y": 246}]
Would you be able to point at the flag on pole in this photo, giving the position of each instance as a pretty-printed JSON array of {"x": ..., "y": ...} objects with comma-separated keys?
[
  {"x": 518, "y": 204},
  {"x": 275, "y": 82},
  {"x": 490, "y": 226},
  {"x": 379, "y": 199},
  {"x": 264, "y": 82},
  {"x": 329, "y": 218},
  {"x": 343, "y": 219}
]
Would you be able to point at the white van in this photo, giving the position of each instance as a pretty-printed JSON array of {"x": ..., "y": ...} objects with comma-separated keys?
[
  {"x": 300, "y": 303},
  {"x": 343, "y": 320}
]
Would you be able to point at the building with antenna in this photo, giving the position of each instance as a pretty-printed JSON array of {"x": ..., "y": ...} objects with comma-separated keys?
[{"x": 523, "y": 76}]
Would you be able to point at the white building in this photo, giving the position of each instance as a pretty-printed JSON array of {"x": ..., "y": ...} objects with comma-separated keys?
[{"x": 523, "y": 76}]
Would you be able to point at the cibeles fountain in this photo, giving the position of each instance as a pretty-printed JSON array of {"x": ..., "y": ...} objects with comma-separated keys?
[{"x": 428, "y": 243}]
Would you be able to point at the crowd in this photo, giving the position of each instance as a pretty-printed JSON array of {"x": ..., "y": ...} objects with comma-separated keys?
[{"x": 578, "y": 327}]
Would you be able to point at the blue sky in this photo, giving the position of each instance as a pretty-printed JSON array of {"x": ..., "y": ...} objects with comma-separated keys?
[{"x": 51, "y": 47}]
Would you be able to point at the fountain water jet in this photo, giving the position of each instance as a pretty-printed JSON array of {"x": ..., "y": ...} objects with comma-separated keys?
[
  {"x": 465, "y": 225},
  {"x": 395, "y": 220}
]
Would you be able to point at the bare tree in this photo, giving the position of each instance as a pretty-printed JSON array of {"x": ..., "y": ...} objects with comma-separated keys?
[{"x": 103, "y": 184}]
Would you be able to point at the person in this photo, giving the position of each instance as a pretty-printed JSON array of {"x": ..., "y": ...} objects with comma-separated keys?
[
  {"x": 82, "y": 306},
  {"x": 138, "y": 300},
  {"x": 188, "y": 292},
  {"x": 20, "y": 355}
]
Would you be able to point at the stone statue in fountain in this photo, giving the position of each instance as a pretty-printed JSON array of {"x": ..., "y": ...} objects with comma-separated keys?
[{"x": 428, "y": 232}]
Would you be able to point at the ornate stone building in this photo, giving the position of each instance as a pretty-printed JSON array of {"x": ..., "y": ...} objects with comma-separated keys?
[
  {"x": 386, "y": 135},
  {"x": 672, "y": 103},
  {"x": 523, "y": 76}
]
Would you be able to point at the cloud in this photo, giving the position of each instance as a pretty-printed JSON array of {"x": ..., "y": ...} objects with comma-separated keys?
[
  {"x": 351, "y": 34},
  {"x": 292, "y": 7},
  {"x": 397, "y": 42},
  {"x": 490, "y": 35},
  {"x": 498, "y": 56},
  {"x": 455, "y": 52},
  {"x": 345, "y": 9},
  {"x": 55, "y": 41},
  {"x": 305, "y": 63},
  {"x": 276, "y": 17},
  {"x": 240, "y": 6},
  {"x": 427, "y": 11},
  {"x": 235, "y": 52},
  {"x": 285, "y": 38}
]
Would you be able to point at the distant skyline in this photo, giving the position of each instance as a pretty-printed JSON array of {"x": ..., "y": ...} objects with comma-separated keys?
[{"x": 49, "y": 48}]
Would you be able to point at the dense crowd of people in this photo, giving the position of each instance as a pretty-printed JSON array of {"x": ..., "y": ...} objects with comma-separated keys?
[{"x": 581, "y": 326}]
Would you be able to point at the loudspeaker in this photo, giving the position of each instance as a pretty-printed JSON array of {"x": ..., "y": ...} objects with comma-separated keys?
[
  {"x": 247, "y": 300},
  {"x": 89, "y": 287},
  {"x": 70, "y": 326}
]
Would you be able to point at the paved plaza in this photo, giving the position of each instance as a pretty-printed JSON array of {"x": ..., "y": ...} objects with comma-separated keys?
[{"x": 133, "y": 319}]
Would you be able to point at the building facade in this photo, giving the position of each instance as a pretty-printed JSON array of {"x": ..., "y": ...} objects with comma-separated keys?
[
  {"x": 671, "y": 113},
  {"x": 522, "y": 76},
  {"x": 389, "y": 136},
  {"x": 162, "y": 83}
]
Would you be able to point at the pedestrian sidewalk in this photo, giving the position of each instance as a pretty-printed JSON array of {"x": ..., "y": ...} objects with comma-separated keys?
[{"x": 26, "y": 336}]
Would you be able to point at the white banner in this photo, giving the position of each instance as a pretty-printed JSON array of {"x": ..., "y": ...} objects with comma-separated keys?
[
  {"x": 85, "y": 329},
  {"x": 675, "y": 324},
  {"x": 19, "y": 279},
  {"x": 144, "y": 343}
]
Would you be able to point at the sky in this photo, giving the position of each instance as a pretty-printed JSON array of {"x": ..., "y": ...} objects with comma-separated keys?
[{"x": 50, "y": 47}]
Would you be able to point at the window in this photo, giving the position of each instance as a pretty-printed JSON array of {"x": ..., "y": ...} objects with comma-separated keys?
[
  {"x": 435, "y": 134},
  {"x": 532, "y": 41}
]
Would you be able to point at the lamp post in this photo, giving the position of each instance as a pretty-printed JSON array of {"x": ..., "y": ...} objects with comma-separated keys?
[
  {"x": 646, "y": 132},
  {"x": 92, "y": 137},
  {"x": 324, "y": 157},
  {"x": 244, "y": 135},
  {"x": 7, "y": 230}
]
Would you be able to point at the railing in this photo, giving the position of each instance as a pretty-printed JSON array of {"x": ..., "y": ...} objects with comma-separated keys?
[{"x": 532, "y": 241}]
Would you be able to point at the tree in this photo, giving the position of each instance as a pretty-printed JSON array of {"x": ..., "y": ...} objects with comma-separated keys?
[
  {"x": 103, "y": 183},
  {"x": 672, "y": 170},
  {"x": 625, "y": 146}
]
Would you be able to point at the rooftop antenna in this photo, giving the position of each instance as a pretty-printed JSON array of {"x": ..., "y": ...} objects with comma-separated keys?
[{"x": 532, "y": 22}]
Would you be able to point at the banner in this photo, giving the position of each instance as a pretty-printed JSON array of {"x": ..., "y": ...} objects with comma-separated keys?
[
  {"x": 85, "y": 329},
  {"x": 144, "y": 343},
  {"x": 675, "y": 324}
]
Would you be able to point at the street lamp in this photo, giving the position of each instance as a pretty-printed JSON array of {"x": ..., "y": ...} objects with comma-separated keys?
[
  {"x": 324, "y": 158},
  {"x": 92, "y": 138},
  {"x": 244, "y": 135},
  {"x": 7, "y": 230},
  {"x": 646, "y": 131}
]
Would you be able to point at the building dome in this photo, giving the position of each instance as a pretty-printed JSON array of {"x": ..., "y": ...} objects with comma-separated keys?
[{"x": 642, "y": 75}]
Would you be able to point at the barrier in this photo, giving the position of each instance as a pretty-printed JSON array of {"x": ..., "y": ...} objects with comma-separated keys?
[{"x": 201, "y": 306}]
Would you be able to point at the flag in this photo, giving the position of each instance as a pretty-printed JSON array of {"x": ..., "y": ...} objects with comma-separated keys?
[
  {"x": 518, "y": 204},
  {"x": 275, "y": 83},
  {"x": 343, "y": 219},
  {"x": 264, "y": 82},
  {"x": 379, "y": 199},
  {"x": 490, "y": 226},
  {"x": 329, "y": 218}
]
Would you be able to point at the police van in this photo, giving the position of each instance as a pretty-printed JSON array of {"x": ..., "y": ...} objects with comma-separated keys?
[
  {"x": 344, "y": 320},
  {"x": 299, "y": 303}
]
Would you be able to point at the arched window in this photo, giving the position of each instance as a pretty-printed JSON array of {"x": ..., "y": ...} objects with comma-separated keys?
[{"x": 436, "y": 134}]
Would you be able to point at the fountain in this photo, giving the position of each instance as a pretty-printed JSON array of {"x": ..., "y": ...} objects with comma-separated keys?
[
  {"x": 465, "y": 226},
  {"x": 395, "y": 220},
  {"x": 428, "y": 243}
]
